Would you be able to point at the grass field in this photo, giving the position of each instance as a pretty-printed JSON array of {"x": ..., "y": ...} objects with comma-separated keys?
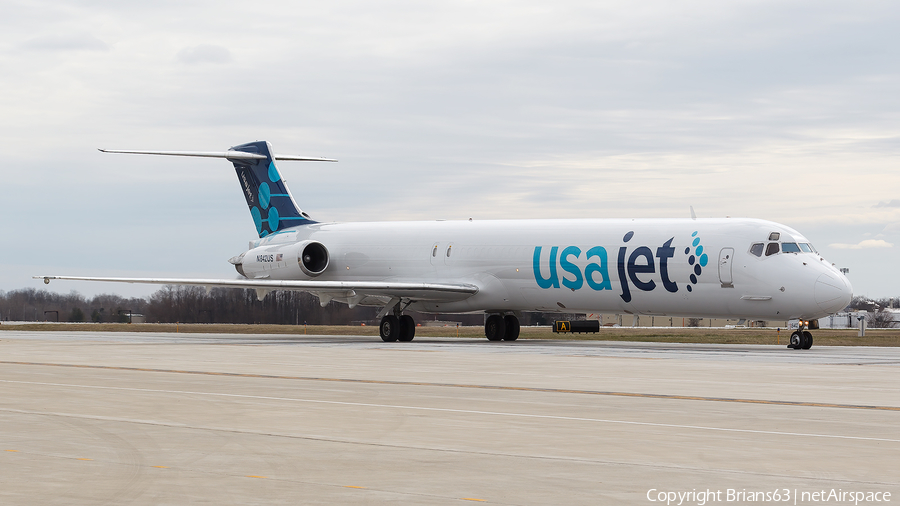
[{"x": 823, "y": 337}]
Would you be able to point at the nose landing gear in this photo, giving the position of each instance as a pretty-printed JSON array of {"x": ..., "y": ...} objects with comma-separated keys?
[{"x": 801, "y": 339}]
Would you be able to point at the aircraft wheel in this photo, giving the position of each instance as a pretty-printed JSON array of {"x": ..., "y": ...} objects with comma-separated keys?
[
  {"x": 512, "y": 328},
  {"x": 389, "y": 328},
  {"x": 796, "y": 340},
  {"x": 495, "y": 328},
  {"x": 807, "y": 340},
  {"x": 407, "y": 328}
]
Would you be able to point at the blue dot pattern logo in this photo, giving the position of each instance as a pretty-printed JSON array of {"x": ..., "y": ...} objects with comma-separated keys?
[
  {"x": 265, "y": 195},
  {"x": 696, "y": 258},
  {"x": 273, "y": 218},
  {"x": 274, "y": 176},
  {"x": 257, "y": 219}
]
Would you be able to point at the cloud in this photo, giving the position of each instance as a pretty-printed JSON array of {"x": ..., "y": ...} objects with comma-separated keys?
[
  {"x": 66, "y": 42},
  {"x": 204, "y": 53},
  {"x": 868, "y": 243},
  {"x": 890, "y": 203},
  {"x": 565, "y": 109}
]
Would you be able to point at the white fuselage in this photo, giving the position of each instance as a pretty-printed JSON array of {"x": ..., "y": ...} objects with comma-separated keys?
[{"x": 664, "y": 267}]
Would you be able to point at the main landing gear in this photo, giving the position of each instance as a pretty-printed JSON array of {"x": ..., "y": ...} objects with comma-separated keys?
[
  {"x": 397, "y": 328},
  {"x": 501, "y": 328},
  {"x": 801, "y": 339}
]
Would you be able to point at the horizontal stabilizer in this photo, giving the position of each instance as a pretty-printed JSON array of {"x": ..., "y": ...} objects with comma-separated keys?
[
  {"x": 231, "y": 154},
  {"x": 269, "y": 200}
]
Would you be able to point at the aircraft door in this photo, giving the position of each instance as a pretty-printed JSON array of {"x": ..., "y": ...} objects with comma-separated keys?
[{"x": 726, "y": 258}]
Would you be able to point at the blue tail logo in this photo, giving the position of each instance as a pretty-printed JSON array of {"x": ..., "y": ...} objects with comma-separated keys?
[{"x": 271, "y": 205}]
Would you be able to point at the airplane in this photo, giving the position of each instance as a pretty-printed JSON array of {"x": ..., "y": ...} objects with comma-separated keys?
[{"x": 734, "y": 268}]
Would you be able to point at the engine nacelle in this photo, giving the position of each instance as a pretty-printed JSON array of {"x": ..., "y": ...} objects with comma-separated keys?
[
  {"x": 304, "y": 259},
  {"x": 313, "y": 258}
]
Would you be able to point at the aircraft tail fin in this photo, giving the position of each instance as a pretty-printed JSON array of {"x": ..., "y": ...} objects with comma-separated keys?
[{"x": 271, "y": 204}]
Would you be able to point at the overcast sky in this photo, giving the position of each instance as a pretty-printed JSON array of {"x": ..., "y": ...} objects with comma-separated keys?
[{"x": 787, "y": 111}]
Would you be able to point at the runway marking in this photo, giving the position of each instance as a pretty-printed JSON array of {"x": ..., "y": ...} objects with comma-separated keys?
[
  {"x": 473, "y": 386},
  {"x": 473, "y": 499},
  {"x": 14, "y": 451},
  {"x": 84, "y": 459},
  {"x": 253, "y": 476},
  {"x": 161, "y": 467},
  {"x": 352, "y": 486},
  {"x": 422, "y": 408}
]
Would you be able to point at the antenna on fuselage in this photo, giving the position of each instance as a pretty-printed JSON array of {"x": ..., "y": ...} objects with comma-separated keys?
[{"x": 693, "y": 214}]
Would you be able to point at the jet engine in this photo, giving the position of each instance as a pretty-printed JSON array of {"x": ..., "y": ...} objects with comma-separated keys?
[
  {"x": 301, "y": 260},
  {"x": 313, "y": 258}
]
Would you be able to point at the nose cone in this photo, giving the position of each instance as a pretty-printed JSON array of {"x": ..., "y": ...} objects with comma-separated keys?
[{"x": 832, "y": 293}]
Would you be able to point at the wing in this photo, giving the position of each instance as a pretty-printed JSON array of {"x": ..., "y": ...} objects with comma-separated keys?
[{"x": 351, "y": 292}]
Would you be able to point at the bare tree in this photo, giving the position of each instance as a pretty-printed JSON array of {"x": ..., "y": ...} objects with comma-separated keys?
[
  {"x": 861, "y": 302},
  {"x": 881, "y": 319}
]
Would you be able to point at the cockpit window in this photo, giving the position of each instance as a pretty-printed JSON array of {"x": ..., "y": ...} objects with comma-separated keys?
[
  {"x": 756, "y": 249},
  {"x": 772, "y": 248},
  {"x": 790, "y": 247},
  {"x": 806, "y": 248},
  {"x": 774, "y": 236}
]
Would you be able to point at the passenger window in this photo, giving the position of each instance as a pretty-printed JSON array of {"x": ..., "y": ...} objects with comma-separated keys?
[
  {"x": 790, "y": 247},
  {"x": 806, "y": 248},
  {"x": 756, "y": 249},
  {"x": 771, "y": 249}
]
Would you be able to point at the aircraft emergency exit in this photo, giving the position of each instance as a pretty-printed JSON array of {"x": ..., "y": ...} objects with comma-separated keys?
[{"x": 715, "y": 268}]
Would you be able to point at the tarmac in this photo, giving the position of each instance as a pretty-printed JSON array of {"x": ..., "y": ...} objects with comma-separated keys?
[{"x": 143, "y": 418}]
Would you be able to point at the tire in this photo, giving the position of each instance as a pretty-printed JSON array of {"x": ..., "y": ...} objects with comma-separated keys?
[
  {"x": 796, "y": 340},
  {"x": 389, "y": 328},
  {"x": 407, "y": 328},
  {"x": 512, "y": 328},
  {"x": 495, "y": 328},
  {"x": 807, "y": 340}
]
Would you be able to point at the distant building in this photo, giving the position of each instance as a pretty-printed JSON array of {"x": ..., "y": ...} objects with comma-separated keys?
[{"x": 850, "y": 319}]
